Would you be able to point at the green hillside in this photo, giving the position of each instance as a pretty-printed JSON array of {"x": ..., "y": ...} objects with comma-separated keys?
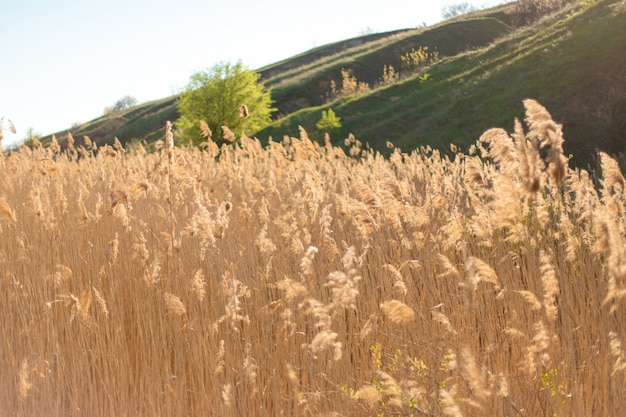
[
  {"x": 572, "y": 61},
  {"x": 144, "y": 122},
  {"x": 306, "y": 86}
]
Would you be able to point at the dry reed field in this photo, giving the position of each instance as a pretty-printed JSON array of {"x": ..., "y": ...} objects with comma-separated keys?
[{"x": 303, "y": 279}]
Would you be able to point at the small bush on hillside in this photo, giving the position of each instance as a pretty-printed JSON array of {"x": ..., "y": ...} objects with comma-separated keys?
[
  {"x": 329, "y": 121},
  {"x": 524, "y": 12},
  {"x": 416, "y": 58},
  {"x": 350, "y": 86},
  {"x": 390, "y": 76},
  {"x": 124, "y": 103},
  {"x": 453, "y": 10}
]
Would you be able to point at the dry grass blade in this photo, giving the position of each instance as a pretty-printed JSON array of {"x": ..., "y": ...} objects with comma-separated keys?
[
  {"x": 12, "y": 127},
  {"x": 6, "y": 212},
  {"x": 448, "y": 268},
  {"x": 173, "y": 304},
  {"x": 444, "y": 320},
  {"x": 397, "y": 311},
  {"x": 531, "y": 299},
  {"x": 343, "y": 284},
  {"x": 550, "y": 286},
  {"x": 473, "y": 374},
  {"x": 612, "y": 177},
  {"x": 306, "y": 263},
  {"x": 303, "y": 278},
  {"x": 206, "y": 131},
  {"x": 547, "y": 137},
  {"x": 100, "y": 301},
  {"x": 198, "y": 285},
  {"x": 85, "y": 303},
  {"x": 25, "y": 384},
  {"x": 481, "y": 271},
  {"x": 530, "y": 169},
  {"x": 617, "y": 352},
  {"x": 501, "y": 149},
  {"x": 448, "y": 404},
  {"x": 369, "y": 394},
  {"x": 229, "y": 135},
  {"x": 474, "y": 172}
]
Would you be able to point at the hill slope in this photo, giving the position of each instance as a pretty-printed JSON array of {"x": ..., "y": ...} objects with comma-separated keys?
[
  {"x": 307, "y": 85},
  {"x": 572, "y": 62}
]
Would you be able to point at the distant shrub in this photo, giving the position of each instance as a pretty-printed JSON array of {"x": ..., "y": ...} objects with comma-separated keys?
[
  {"x": 524, "y": 12},
  {"x": 453, "y": 10},
  {"x": 31, "y": 134},
  {"x": 418, "y": 57},
  {"x": 366, "y": 31},
  {"x": 350, "y": 86},
  {"x": 329, "y": 121},
  {"x": 411, "y": 63},
  {"x": 390, "y": 75},
  {"x": 125, "y": 102}
]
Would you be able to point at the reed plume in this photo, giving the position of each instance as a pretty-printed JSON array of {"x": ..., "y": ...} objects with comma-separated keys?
[
  {"x": 303, "y": 278},
  {"x": 547, "y": 138}
]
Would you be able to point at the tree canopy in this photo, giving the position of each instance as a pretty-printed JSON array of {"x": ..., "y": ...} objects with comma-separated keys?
[
  {"x": 224, "y": 95},
  {"x": 124, "y": 103}
]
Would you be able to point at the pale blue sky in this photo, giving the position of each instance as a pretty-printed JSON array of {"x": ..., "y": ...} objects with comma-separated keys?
[{"x": 64, "y": 61}]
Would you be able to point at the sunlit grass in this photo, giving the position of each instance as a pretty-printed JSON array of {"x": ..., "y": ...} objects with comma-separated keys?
[{"x": 301, "y": 279}]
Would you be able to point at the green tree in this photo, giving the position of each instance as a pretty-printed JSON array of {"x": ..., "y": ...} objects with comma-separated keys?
[
  {"x": 329, "y": 121},
  {"x": 224, "y": 95},
  {"x": 31, "y": 135},
  {"x": 125, "y": 102},
  {"x": 453, "y": 10}
]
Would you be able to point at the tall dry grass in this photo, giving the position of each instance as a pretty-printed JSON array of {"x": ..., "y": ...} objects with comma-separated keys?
[{"x": 309, "y": 280}]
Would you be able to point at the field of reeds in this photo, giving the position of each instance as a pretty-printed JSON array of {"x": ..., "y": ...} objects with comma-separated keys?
[{"x": 303, "y": 279}]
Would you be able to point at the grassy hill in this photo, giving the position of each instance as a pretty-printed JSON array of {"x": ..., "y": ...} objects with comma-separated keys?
[
  {"x": 307, "y": 85},
  {"x": 572, "y": 61}
]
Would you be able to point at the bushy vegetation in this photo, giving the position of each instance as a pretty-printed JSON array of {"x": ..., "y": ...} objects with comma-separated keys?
[
  {"x": 525, "y": 12},
  {"x": 123, "y": 103},
  {"x": 225, "y": 95},
  {"x": 570, "y": 60},
  {"x": 467, "y": 93},
  {"x": 304, "y": 279},
  {"x": 458, "y": 9},
  {"x": 329, "y": 121},
  {"x": 413, "y": 61}
]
